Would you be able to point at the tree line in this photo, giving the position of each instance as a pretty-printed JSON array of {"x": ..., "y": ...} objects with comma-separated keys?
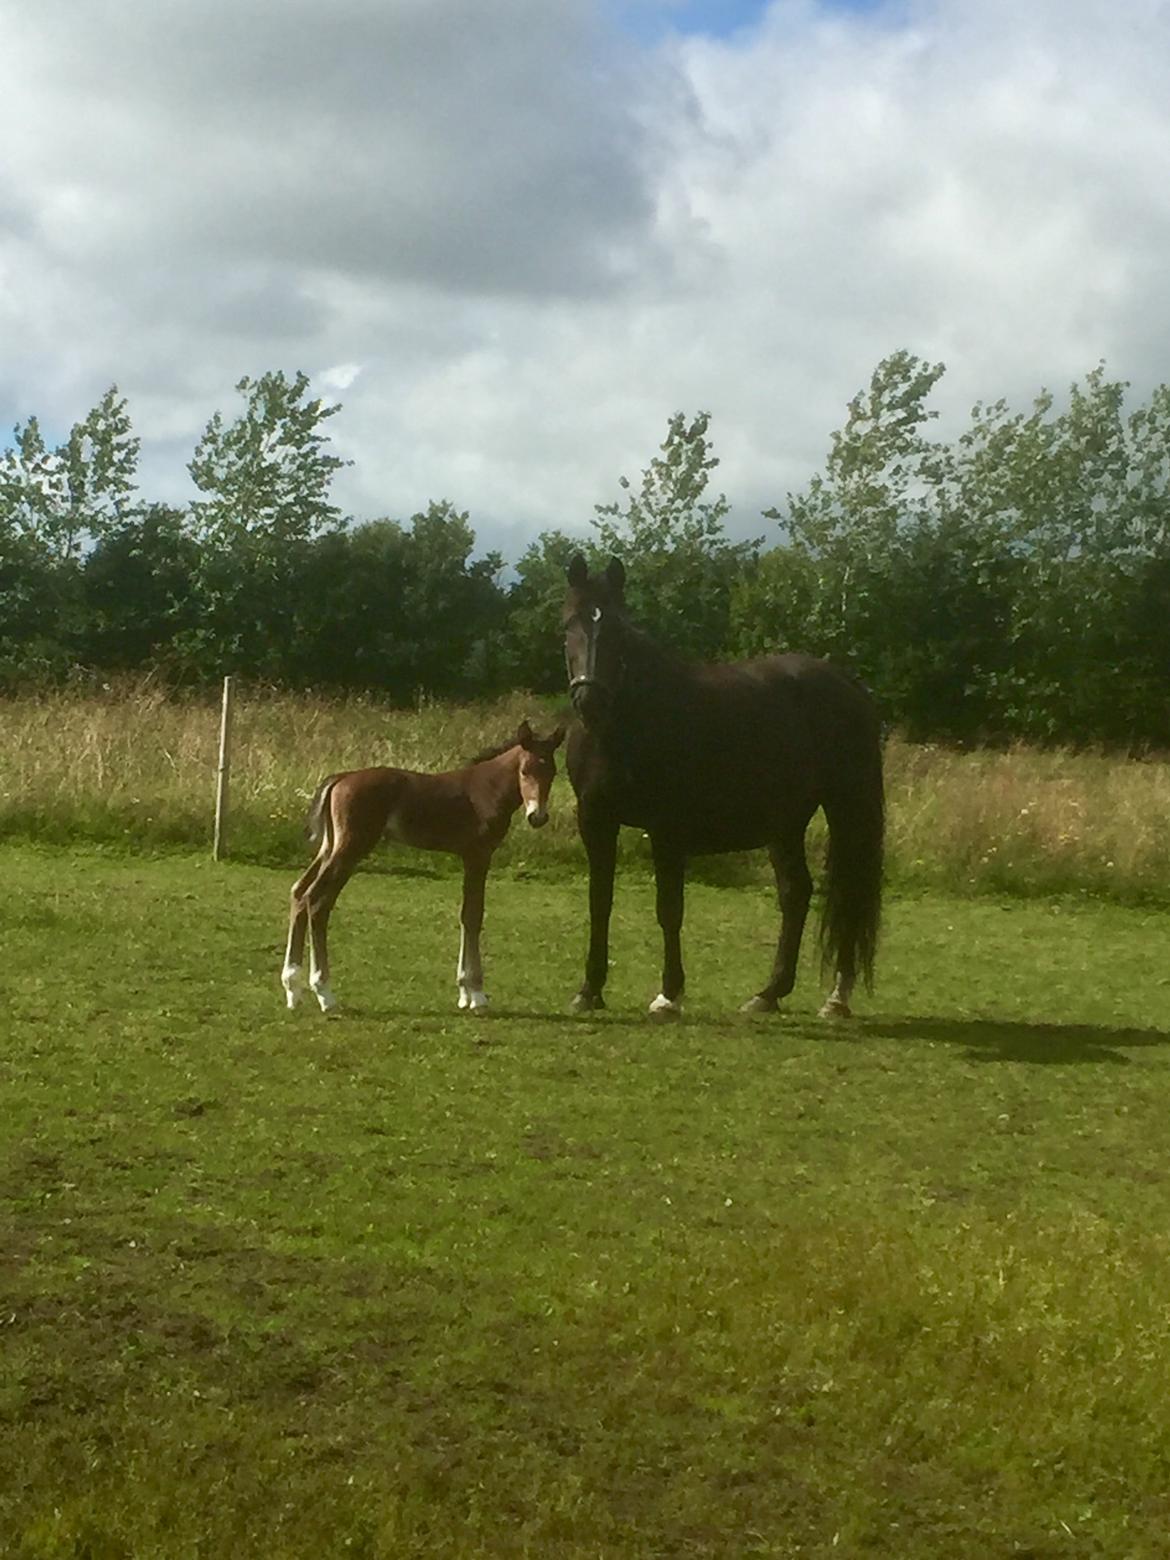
[{"x": 1011, "y": 582}]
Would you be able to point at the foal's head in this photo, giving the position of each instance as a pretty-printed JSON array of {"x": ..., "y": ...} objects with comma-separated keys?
[
  {"x": 594, "y": 610},
  {"x": 537, "y": 771}
]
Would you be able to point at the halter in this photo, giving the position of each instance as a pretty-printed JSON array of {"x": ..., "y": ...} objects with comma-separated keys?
[{"x": 588, "y": 678}]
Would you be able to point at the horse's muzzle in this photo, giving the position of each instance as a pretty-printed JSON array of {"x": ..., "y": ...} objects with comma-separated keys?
[{"x": 588, "y": 696}]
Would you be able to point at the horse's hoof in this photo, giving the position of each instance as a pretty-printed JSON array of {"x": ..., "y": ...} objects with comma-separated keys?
[
  {"x": 325, "y": 999},
  {"x": 292, "y": 979},
  {"x": 586, "y": 1002},
  {"x": 835, "y": 1008},
  {"x": 665, "y": 1008},
  {"x": 758, "y": 1004},
  {"x": 472, "y": 1001}
]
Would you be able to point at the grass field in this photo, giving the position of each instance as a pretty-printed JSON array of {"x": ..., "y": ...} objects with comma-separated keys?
[{"x": 409, "y": 1283}]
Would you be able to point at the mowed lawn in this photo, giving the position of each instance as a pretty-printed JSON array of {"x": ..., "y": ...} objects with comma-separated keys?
[{"x": 410, "y": 1282}]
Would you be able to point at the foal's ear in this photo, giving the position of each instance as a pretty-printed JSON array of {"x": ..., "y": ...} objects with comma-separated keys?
[
  {"x": 524, "y": 735},
  {"x": 578, "y": 570},
  {"x": 615, "y": 575}
]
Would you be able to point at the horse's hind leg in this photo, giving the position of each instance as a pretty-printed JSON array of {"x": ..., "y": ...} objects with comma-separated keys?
[
  {"x": 292, "y": 975},
  {"x": 319, "y": 900},
  {"x": 669, "y": 876},
  {"x": 837, "y": 1003},
  {"x": 793, "y": 890},
  {"x": 470, "y": 973}
]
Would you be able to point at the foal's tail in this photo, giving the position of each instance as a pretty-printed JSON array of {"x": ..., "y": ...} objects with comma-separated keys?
[
  {"x": 855, "y": 810},
  {"x": 319, "y": 823}
]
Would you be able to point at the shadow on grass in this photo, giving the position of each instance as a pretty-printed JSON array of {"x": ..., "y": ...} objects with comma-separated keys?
[
  {"x": 608, "y": 1017},
  {"x": 996, "y": 1040}
]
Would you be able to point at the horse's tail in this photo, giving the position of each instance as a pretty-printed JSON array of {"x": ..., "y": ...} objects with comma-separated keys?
[
  {"x": 855, "y": 811},
  {"x": 319, "y": 823}
]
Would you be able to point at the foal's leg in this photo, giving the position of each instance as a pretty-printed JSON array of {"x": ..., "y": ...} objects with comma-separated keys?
[
  {"x": 292, "y": 975},
  {"x": 470, "y": 972},
  {"x": 669, "y": 876},
  {"x": 599, "y": 836},
  {"x": 319, "y": 901},
  {"x": 793, "y": 890}
]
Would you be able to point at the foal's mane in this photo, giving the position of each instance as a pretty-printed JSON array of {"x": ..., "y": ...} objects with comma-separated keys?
[{"x": 492, "y": 752}]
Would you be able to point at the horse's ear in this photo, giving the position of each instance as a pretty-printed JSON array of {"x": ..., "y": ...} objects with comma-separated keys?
[
  {"x": 615, "y": 575},
  {"x": 578, "y": 570},
  {"x": 524, "y": 734},
  {"x": 557, "y": 738}
]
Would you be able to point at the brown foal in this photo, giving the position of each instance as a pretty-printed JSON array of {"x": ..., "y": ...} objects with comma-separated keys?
[{"x": 464, "y": 811}]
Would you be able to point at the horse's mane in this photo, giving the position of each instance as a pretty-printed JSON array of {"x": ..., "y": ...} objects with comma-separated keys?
[{"x": 492, "y": 752}]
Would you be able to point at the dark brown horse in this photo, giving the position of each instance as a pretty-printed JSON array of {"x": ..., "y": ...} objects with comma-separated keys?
[
  {"x": 464, "y": 811},
  {"x": 721, "y": 758}
]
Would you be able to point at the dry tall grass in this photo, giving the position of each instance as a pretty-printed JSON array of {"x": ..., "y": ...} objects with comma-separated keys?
[{"x": 137, "y": 767}]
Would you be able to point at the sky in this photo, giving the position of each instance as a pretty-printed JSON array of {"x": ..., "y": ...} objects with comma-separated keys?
[{"x": 512, "y": 239}]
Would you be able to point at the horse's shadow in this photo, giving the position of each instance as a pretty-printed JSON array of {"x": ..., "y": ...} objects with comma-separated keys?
[
  {"x": 985, "y": 1039},
  {"x": 1007, "y": 1040}
]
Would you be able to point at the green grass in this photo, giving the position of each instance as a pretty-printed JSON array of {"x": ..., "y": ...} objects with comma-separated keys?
[{"x": 413, "y": 1283}]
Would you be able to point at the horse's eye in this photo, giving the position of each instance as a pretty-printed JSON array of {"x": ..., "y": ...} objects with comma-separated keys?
[{"x": 597, "y": 614}]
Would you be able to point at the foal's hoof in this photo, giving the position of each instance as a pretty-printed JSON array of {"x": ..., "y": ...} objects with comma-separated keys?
[
  {"x": 758, "y": 1004},
  {"x": 472, "y": 1001},
  {"x": 586, "y": 1002},
  {"x": 664, "y": 1008},
  {"x": 326, "y": 1001},
  {"x": 835, "y": 1008}
]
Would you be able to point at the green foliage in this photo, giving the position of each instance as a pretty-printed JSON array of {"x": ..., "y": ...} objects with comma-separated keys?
[
  {"x": 1011, "y": 583},
  {"x": 58, "y": 499},
  {"x": 533, "y": 652},
  {"x": 266, "y": 475},
  {"x": 138, "y": 591},
  {"x": 681, "y": 567}
]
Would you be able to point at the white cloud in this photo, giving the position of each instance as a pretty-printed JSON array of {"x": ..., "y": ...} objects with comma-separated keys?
[{"x": 536, "y": 237}]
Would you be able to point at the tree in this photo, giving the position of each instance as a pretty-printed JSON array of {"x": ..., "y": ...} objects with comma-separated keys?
[
  {"x": 137, "y": 590},
  {"x": 267, "y": 475},
  {"x": 61, "y": 499},
  {"x": 533, "y": 652},
  {"x": 680, "y": 564},
  {"x": 266, "y": 479}
]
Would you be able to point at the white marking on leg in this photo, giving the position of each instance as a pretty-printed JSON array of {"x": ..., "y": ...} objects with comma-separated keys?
[
  {"x": 837, "y": 1005},
  {"x": 321, "y": 991},
  {"x": 758, "y": 1004},
  {"x": 292, "y": 978},
  {"x": 471, "y": 993},
  {"x": 317, "y": 982},
  {"x": 663, "y": 1004}
]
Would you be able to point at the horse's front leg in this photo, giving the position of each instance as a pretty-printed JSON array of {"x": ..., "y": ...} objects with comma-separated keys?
[
  {"x": 599, "y": 835},
  {"x": 669, "y": 876},
  {"x": 470, "y": 972}
]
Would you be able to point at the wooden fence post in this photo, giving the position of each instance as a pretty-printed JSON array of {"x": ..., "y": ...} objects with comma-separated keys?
[{"x": 219, "y": 848}]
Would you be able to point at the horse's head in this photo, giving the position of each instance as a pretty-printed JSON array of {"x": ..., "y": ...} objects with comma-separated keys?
[
  {"x": 538, "y": 769},
  {"x": 594, "y": 612}
]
